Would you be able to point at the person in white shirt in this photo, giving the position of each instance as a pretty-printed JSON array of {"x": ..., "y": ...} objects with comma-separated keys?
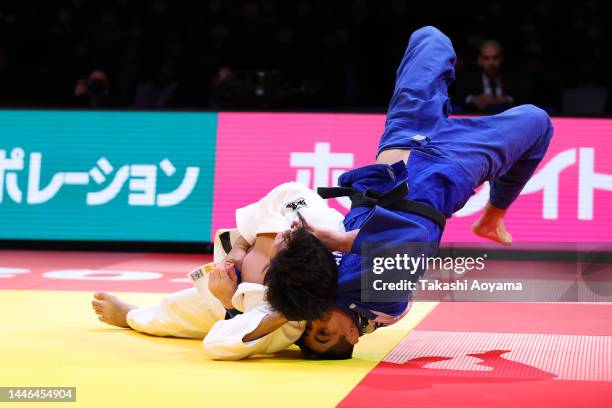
[{"x": 227, "y": 306}]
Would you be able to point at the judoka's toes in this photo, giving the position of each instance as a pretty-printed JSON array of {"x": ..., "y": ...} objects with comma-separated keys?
[
  {"x": 96, "y": 306},
  {"x": 505, "y": 238},
  {"x": 111, "y": 310}
]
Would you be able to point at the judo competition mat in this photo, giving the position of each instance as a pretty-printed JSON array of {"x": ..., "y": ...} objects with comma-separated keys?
[{"x": 440, "y": 355}]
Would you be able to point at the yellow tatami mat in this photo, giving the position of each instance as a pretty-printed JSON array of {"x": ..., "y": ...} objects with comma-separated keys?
[{"x": 53, "y": 338}]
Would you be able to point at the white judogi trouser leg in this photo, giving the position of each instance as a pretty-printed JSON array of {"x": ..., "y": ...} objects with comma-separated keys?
[
  {"x": 190, "y": 313},
  {"x": 187, "y": 313}
]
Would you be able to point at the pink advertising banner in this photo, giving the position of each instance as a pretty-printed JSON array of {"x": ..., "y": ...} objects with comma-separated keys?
[{"x": 569, "y": 199}]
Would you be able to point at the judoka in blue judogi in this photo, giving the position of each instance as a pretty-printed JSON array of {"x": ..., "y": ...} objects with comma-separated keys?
[{"x": 427, "y": 167}]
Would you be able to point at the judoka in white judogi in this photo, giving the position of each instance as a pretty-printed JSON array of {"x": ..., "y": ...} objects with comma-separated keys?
[{"x": 197, "y": 313}]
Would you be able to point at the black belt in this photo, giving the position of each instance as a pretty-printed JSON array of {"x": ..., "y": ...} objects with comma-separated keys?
[
  {"x": 226, "y": 243},
  {"x": 391, "y": 200},
  {"x": 231, "y": 313}
]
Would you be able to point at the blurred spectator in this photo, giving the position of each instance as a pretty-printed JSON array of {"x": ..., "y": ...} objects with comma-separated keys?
[
  {"x": 93, "y": 91},
  {"x": 223, "y": 89},
  {"x": 7, "y": 78},
  {"x": 540, "y": 84},
  {"x": 305, "y": 54},
  {"x": 162, "y": 91},
  {"x": 587, "y": 97},
  {"x": 488, "y": 89}
]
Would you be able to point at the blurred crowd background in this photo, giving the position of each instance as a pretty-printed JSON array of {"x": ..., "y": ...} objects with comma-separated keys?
[{"x": 298, "y": 54}]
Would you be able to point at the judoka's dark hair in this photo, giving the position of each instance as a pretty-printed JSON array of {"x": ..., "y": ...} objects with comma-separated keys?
[
  {"x": 343, "y": 350},
  {"x": 302, "y": 279}
]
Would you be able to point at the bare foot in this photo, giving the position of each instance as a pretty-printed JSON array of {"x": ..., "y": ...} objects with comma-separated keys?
[
  {"x": 110, "y": 309},
  {"x": 491, "y": 226}
]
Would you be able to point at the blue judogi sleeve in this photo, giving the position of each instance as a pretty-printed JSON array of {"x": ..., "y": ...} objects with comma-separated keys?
[
  {"x": 388, "y": 229},
  {"x": 382, "y": 234}
]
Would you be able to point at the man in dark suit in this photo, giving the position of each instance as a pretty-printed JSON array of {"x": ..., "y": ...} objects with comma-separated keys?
[{"x": 486, "y": 90}]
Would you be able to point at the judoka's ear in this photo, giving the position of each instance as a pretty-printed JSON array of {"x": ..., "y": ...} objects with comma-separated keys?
[{"x": 353, "y": 335}]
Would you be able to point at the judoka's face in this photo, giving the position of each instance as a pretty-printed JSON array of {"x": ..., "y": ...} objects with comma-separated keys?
[{"x": 324, "y": 333}]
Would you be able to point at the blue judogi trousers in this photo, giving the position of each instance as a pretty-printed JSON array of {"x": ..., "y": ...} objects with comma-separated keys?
[{"x": 504, "y": 149}]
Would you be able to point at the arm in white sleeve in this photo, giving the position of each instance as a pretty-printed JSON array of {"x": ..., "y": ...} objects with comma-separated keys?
[
  {"x": 267, "y": 210},
  {"x": 225, "y": 340}
]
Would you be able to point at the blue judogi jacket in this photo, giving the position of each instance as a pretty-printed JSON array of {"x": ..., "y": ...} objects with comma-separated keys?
[{"x": 428, "y": 183}]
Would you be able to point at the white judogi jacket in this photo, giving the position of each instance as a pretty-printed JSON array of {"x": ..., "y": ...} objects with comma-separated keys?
[{"x": 196, "y": 313}]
